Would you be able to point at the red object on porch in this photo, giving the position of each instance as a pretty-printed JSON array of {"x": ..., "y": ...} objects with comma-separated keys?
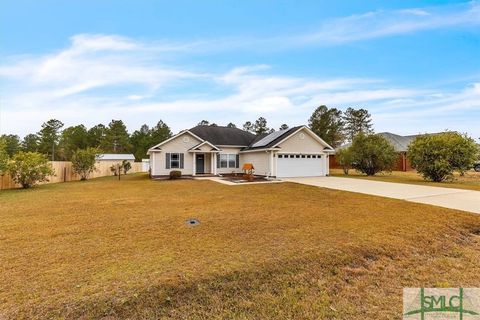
[{"x": 247, "y": 166}]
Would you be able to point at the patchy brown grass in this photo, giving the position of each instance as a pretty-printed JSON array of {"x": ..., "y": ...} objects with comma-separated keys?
[
  {"x": 470, "y": 181},
  {"x": 121, "y": 250}
]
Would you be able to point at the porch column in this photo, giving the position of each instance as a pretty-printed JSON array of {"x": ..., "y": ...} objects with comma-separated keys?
[
  {"x": 271, "y": 164},
  {"x": 212, "y": 169},
  {"x": 194, "y": 164},
  {"x": 215, "y": 155},
  {"x": 327, "y": 164}
]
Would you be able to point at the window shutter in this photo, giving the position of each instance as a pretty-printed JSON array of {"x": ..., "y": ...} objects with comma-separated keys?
[
  {"x": 167, "y": 160},
  {"x": 237, "y": 161},
  {"x": 181, "y": 160},
  {"x": 218, "y": 160}
]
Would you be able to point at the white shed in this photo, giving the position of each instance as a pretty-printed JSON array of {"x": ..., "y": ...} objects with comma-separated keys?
[{"x": 115, "y": 157}]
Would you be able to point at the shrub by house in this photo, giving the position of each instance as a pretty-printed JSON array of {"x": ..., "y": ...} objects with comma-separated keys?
[
  {"x": 436, "y": 157},
  {"x": 371, "y": 154}
]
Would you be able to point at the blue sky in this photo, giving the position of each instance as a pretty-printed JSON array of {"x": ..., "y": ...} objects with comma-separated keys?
[{"x": 414, "y": 64}]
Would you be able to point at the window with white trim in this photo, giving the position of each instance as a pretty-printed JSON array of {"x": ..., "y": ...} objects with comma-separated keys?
[
  {"x": 175, "y": 160},
  {"x": 232, "y": 160},
  {"x": 228, "y": 160}
]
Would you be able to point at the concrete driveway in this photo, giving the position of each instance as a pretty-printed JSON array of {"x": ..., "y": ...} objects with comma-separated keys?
[{"x": 460, "y": 199}]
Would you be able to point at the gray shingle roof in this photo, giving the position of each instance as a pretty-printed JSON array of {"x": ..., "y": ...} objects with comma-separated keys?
[
  {"x": 223, "y": 136},
  {"x": 399, "y": 143}
]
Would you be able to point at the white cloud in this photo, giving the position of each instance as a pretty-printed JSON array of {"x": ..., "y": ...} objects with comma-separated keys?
[
  {"x": 457, "y": 110},
  {"x": 250, "y": 92},
  {"x": 354, "y": 28},
  {"x": 92, "y": 62},
  {"x": 81, "y": 84},
  {"x": 100, "y": 77},
  {"x": 87, "y": 43},
  {"x": 385, "y": 23}
]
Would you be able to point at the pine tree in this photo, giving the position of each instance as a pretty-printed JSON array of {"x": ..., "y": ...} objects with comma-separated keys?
[
  {"x": 203, "y": 123},
  {"x": 96, "y": 135},
  {"x": 116, "y": 138},
  {"x": 357, "y": 121},
  {"x": 72, "y": 139},
  {"x": 260, "y": 126},
  {"x": 30, "y": 143},
  {"x": 48, "y": 138},
  {"x": 248, "y": 126},
  {"x": 328, "y": 124}
]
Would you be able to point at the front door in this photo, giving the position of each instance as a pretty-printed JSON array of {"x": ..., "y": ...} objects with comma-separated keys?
[{"x": 200, "y": 163}]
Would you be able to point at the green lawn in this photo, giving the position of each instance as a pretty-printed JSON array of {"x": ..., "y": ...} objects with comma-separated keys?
[
  {"x": 121, "y": 249},
  {"x": 470, "y": 181}
]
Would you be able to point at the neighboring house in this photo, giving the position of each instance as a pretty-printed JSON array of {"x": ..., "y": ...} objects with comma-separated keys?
[
  {"x": 295, "y": 152},
  {"x": 399, "y": 143},
  {"x": 115, "y": 157}
]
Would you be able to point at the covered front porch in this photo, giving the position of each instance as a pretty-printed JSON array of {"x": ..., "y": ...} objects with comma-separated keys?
[
  {"x": 204, "y": 159},
  {"x": 204, "y": 163}
]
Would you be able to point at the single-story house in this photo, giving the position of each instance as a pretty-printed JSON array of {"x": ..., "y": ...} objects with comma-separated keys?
[
  {"x": 295, "y": 152},
  {"x": 399, "y": 143}
]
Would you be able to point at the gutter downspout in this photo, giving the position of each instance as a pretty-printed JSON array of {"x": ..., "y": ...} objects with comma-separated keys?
[{"x": 271, "y": 165}]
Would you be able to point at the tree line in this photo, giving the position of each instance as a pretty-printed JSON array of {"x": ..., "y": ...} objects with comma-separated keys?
[
  {"x": 256, "y": 127},
  {"x": 333, "y": 125},
  {"x": 57, "y": 143},
  {"x": 436, "y": 157}
]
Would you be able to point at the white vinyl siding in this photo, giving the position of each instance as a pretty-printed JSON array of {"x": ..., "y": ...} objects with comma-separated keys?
[
  {"x": 176, "y": 145},
  {"x": 260, "y": 161},
  {"x": 301, "y": 142}
]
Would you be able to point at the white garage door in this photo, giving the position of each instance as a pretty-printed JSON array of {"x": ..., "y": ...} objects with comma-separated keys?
[{"x": 300, "y": 165}]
